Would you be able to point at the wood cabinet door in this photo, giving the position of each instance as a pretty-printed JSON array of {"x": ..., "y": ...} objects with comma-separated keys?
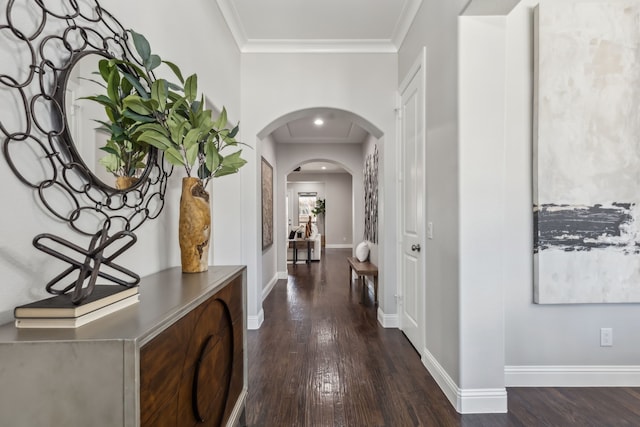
[{"x": 192, "y": 373}]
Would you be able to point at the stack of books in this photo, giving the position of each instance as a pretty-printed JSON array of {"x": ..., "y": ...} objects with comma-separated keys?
[{"x": 60, "y": 312}]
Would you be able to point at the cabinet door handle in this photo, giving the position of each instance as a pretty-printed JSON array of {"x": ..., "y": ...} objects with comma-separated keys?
[{"x": 196, "y": 376}]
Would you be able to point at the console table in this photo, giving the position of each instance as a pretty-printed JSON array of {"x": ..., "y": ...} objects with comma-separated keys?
[
  {"x": 176, "y": 358},
  {"x": 294, "y": 245}
]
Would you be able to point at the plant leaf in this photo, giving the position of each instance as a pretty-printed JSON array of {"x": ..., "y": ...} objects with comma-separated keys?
[
  {"x": 110, "y": 150},
  {"x": 138, "y": 117},
  {"x": 153, "y": 62},
  {"x": 156, "y": 139},
  {"x": 192, "y": 154},
  {"x": 135, "y": 104},
  {"x": 126, "y": 86},
  {"x": 234, "y": 131},
  {"x": 230, "y": 164},
  {"x": 191, "y": 88},
  {"x": 176, "y": 70},
  {"x": 105, "y": 69},
  {"x": 102, "y": 99},
  {"x": 136, "y": 83},
  {"x": 142, "y": 46},
  {"x": 222, "y": 120},
  {"x": 173, "y": 156},
  {"x": 126, "y": 67},
  {"x": 213, "y": 158},
  {"x": 113, "y": 85},
  {"x": 191, "y": 138},
  {"x": 159, "y": 92}
]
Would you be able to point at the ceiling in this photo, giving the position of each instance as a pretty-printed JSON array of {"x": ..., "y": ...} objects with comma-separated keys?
[
  {"x": 320, "y": 26},
  {"x": 336, "y": 128},
  {"x": 302, "y": 26}
]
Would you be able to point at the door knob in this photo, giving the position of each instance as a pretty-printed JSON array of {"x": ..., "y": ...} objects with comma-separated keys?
[{"x": 415, "y": 248}]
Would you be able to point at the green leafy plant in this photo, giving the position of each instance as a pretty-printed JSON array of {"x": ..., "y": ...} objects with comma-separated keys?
[
  {"x": 150, "y": 111},
  {"x": 125, "y": 153},
  {"x": 320, "y": 208}
]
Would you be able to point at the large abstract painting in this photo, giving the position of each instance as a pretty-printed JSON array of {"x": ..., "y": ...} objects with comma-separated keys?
[
  {"x": 267, "y": 204},
  {"x": 587, "y": 152}
]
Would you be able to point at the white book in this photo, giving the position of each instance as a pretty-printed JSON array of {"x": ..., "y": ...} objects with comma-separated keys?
[{"x": 75, "y": 322}]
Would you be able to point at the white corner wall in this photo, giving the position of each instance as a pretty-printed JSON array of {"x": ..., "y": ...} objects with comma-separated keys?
[
  {"x": 24, "y": 270},
  {"x": 481, "y": 149},
  {"x": 549, "y": 345},
  {"x": 275, "y": 85},
  {"x": 436, "y": 27}
]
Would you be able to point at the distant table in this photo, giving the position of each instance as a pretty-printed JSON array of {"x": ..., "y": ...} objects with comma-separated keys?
[{"x": 294, "y": 245}]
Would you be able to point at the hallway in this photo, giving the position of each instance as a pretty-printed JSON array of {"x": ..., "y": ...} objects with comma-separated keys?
[{"x": 321, "y": 359}]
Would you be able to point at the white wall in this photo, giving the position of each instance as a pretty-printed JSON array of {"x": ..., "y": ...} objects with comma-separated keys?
[
  {"x": 436, "y": 27},
  {"x": 536, "y": 335},
  {"x": 275, "y": 85},
  {"x": 336, "y": 188},
  {"x": 25, "y": 270},
  {"x": 481, "y": 148}
]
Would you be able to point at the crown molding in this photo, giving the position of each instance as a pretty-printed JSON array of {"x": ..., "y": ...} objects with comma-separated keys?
[
  {"x": 318, "y": 46},
  {"x": 407, "y": 17},
  {"x": 231, "y": 17}
]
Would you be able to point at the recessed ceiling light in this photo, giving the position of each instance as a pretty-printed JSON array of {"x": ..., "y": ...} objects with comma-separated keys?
[
  {"x": 323, "y": 168},
  {"x": 318, "y": 122}
]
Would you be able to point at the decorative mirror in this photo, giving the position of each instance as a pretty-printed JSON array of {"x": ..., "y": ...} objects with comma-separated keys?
[
  {"x": 125, "y": 166},
  {"x": 58, "y": 147}
]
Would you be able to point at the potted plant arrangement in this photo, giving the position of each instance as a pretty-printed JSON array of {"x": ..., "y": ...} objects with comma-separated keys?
[
  {"x": 319, "y": 210},
  {"x": 173, "y": 118}
]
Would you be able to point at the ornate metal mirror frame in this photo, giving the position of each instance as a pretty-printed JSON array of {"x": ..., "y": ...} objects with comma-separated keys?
[{"x": 42, "y": 154}]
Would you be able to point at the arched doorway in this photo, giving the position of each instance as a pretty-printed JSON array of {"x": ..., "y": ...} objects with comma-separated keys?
[
  {"x": 285, "y": 156},
  {"x": 329, "y": 183}
]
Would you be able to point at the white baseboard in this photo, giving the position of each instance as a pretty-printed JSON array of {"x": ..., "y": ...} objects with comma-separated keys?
[
  {"x": 387, "y": 320},
  {"x": 572, "y": 376},
  {"x": 267, "y": 289},
  {"x": 482, "y": 401},
  {"x": 254, "y": 322},
  {"x": 339, "y": 246},
  {"x": 465, "y": 401},
  {"x": 283, "y": 275}
]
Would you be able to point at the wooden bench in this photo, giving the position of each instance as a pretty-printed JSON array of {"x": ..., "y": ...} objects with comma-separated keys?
[{"x": 364, "y": 269}]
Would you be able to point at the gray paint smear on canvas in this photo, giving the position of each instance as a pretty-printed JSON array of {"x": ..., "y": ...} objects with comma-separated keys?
[{"x": 583, "y": 228}]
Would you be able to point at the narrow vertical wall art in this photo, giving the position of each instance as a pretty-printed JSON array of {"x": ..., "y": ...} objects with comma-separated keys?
[
  {"x": 267, "y": 204},
  {"x": 371, "y": 197},
  {"x": 587, "y": 152}
]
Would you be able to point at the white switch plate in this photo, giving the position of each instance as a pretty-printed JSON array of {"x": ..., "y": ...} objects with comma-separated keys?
[
  {"x": 606, "y": 337},
  {"x": 430, "y": 230}
]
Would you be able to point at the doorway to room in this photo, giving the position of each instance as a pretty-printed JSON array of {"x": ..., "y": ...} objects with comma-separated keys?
[{"x": 296, "y": 141}]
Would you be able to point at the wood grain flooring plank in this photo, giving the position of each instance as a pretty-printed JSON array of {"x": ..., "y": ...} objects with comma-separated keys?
[{"x": 321, "y": 359}]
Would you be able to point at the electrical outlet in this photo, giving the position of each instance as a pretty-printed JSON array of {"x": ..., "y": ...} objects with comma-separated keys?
[{"x": 606, "y": 337}]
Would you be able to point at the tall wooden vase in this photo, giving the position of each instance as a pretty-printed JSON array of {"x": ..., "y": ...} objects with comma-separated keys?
[{"x": 195, "y": 226}]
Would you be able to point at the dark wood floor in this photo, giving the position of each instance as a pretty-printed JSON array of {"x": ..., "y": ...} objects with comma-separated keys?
[{"x": 321, "y": 359}]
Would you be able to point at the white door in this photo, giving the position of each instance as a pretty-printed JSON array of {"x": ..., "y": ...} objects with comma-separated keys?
[{"x": 411, "y": 177}]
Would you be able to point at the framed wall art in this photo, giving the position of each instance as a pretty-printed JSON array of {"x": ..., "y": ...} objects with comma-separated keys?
[{"x": 267, "y": 204}]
